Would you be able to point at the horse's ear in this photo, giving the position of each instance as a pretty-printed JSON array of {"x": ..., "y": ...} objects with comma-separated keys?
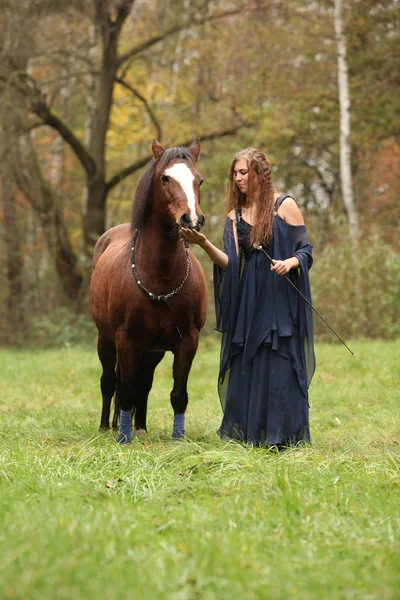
[
  {"x": 195, "y": 148},
  {"x": 157, "y": 149}
]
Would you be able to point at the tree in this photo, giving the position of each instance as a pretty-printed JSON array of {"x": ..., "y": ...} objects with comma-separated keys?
[
  {"x": 109, "y": 18},
  {"x": 15, "y": 318},
  {"x": 345, "y": 142},
  {"x": 87, "y": 84}
]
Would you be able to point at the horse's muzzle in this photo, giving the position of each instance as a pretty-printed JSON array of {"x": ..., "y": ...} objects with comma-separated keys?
[
  {"x": 186, "y": 221},
  {"x": 200, "y": 222}
]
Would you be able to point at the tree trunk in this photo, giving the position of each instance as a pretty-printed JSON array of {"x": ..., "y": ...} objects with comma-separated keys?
[
  {"x": 15, "y": 318},
  {"x": 49, "y": 209},
  {"x": 66, "y": 261},
  {"x": 345, "y": 146},
  {"x": 345, "y": 157},
  {"x": 94, "y": 216}
]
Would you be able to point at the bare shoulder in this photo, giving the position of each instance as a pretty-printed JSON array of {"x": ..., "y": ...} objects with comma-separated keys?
[
  {"x": 290, "y": 212},
  {"x": 232, "y": 215}
]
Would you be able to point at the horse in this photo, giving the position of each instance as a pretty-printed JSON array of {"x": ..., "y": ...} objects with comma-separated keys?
[{"x": 148, "y": 292}]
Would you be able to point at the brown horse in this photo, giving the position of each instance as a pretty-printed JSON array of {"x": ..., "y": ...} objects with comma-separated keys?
[{"x": 148, "y": 291}]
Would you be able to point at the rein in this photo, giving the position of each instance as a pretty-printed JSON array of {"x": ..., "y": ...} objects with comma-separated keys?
[{"x": 166, "y": 298}]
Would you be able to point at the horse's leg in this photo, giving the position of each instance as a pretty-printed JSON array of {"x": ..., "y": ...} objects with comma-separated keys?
[
  {"x": 117, "y": 408},
  {"x": 107, "y": 355},
  {"x": 128, "y": 362},
  {"x": 144, "y": 380},
  {"x": 183, "y": 358}
]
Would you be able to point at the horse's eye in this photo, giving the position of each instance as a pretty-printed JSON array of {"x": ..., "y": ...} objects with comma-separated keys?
[
  {"x": 201, "y": 182},
  {"x": 164, "y": 178}
]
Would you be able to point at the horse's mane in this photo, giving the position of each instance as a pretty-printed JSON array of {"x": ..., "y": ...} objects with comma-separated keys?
[{"x": 144, "y": 191}]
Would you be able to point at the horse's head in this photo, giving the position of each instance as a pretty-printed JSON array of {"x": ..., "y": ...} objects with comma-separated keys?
[{"x": 176, "y": 197}]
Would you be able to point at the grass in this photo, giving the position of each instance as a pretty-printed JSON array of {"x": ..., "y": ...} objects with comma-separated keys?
[{"x": 83, "y": 518}]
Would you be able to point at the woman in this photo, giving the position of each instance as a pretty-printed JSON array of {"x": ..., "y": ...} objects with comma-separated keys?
[{"x": 267, "y": 355}]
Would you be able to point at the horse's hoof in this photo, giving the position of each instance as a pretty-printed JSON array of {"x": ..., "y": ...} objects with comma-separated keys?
[
  {"x": 124, "y": 436},
  {"x": 104, "y": 428},
  {"x": 123, "y": 439},
  {"x": 139, "y": 433},
  {"x": 178, "y": 435}
]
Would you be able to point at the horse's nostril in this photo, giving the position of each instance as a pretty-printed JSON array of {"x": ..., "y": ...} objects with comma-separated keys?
[
  {"x": 200, "y": 222},
  {"x": 186, "y": 219}
]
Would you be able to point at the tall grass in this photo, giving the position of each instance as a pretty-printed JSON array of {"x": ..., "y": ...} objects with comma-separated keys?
[{"x": 82, "y": 517}]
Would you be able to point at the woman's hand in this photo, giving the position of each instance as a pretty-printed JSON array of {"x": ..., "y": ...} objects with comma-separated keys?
[
  {"x": 282, "y": 267},
  {"x": 195, "y": 237},
  {"x": 192, "y": 236}
]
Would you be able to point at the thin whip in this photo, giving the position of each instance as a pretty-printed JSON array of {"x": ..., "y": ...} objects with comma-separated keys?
[{"x": 308, "y": 302}]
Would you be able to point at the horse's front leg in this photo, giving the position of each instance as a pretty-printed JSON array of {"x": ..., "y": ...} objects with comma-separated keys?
[
  {"x": 128, "y": 361},
  {"x": 144, "y": 380},
  {"x": 183, "y": 358}
]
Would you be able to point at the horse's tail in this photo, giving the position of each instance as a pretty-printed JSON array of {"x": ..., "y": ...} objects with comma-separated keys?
[{"x": 115, "y": 421}]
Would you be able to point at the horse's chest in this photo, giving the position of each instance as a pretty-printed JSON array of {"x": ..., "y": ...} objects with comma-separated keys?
[{"x": 160, "y": 327}]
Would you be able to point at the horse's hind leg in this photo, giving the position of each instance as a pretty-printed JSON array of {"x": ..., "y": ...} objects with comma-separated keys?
[
  {"x": 144, "y": 380},
  {"x": 107, "y": 355},
  {"x": 183, "y": 358}
]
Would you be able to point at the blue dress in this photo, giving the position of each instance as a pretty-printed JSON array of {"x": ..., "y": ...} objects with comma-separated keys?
[{"x": 267, "y": 351}]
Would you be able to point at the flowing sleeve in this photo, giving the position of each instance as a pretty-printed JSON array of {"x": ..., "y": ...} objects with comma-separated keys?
[
  {"x": 303, "y": 252},
  {"x": 226, "y": 287}
]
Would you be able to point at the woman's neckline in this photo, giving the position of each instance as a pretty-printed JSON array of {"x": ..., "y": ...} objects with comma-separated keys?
[{"x": 240, "y": 209}]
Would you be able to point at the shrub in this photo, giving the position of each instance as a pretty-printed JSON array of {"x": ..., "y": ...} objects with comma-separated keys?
[
  {"x": 60, "y": 328},
  {"x": 358, "y": 293}
]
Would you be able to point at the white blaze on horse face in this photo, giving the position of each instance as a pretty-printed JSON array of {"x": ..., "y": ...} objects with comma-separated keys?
[{"x": 184, "y": 176}]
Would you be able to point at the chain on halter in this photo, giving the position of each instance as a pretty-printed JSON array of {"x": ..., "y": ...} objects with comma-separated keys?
[{"x": 162, "y": 297}]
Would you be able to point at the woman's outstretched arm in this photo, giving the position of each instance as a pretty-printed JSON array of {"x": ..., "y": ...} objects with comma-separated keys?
[{"x": 195, "y": 237}]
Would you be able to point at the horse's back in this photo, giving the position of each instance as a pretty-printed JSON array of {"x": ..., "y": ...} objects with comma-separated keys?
[{"x": 115, "y": 234}]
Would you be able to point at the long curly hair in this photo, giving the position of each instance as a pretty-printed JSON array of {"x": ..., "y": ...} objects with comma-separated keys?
[{"x": 260, "y": 193}]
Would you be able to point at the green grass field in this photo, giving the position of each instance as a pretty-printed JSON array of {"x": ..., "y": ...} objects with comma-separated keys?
[{"x": 83, "y": 518}]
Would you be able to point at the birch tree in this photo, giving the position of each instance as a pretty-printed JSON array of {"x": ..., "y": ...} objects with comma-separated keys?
[{"x": 345, "y": 142}]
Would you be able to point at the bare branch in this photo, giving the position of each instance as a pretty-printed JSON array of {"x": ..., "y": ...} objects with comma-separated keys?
[
  {"x": 123, "y": 12},
  {"x": 216, "y": 135},
  {"x": 118, "y": 177},
  {"x": 41, "y": 109},
  {"x": 146, "y": 104},
  {"x": 175, "y": 29},
  {"x": 108, "y": 25},
  {"x": 27, "y": 86},
  {"x": 34, "y": 125}
]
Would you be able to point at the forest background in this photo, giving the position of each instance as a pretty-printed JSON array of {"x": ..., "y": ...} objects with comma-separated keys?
[{"x": 86, "y": 85}]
